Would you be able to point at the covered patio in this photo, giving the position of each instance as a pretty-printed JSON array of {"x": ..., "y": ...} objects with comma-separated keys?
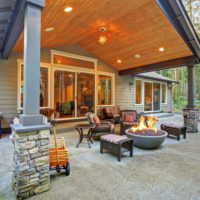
[
  {"x": 164, "y": 173},
  {"x": 76, "y": 58}
]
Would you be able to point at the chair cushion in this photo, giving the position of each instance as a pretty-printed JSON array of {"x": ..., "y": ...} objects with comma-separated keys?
[
  {"x": 102, "y": 127},
  {"x": 112, "y": 138},
  {"x": 96, "y": 119},
  {"x": 116, "y": 116},
  {"x": 170, "y": 125},
  {"x": 128, "y": 118},
  {"x": 129, "y": 124}
]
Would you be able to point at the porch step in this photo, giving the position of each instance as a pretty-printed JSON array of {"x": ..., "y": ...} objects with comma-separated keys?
[{"x": 160, "y": 115}]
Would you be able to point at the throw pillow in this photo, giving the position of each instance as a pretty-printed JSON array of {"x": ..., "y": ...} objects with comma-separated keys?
[
  {"x": 96, "y": 120},
  {"x": 128, "y": 118}
]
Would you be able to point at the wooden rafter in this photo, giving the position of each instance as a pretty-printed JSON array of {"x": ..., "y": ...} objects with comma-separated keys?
[{"x": 185, "y": 61}]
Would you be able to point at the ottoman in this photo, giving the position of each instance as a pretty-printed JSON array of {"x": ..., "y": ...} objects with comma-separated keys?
[
  {"x": 115, "y": 143},
  {"x": 173, "y": 129}
]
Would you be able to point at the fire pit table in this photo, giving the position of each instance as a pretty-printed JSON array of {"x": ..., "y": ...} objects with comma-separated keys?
[
  {"x": 147, "y": 138},
  {"x": 145, "y": 135}
]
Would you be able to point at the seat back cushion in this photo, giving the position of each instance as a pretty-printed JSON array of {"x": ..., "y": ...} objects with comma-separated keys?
[
  {"x": 91, "y": 117},
  {"x": 96, "y": 119},
  {"x": 128, "y": 118},
  {"x": 117, "y": 110},
  {"x": 108, "y": 111},
  {"x": 133, "y": 113}
]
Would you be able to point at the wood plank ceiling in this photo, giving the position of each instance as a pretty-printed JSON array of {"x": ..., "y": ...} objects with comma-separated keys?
[{"x": 132, "y": 27}]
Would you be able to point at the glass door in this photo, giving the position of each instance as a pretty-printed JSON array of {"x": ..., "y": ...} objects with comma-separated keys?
[
  {"x": 85, "y": 93},
  {"x": 156, "y": 96},
  {"x": 74, "y": 94},
  {"x": 148, "y": 96},
  {"x": 152, "y": 96},
  {"x": 64, "y": 94}
]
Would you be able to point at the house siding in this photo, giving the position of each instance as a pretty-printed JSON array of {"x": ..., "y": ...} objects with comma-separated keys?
[
  {"x": 125, "y": 94},
  {"x": 8, "y": 88},
  {"x": 124, "y": 91}
]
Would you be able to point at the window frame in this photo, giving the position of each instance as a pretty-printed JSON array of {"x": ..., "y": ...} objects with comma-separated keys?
[
  {"x": 165, "y": 93},
  {"x": 113, "y": 88},
  {"x": 75, "y": 71},
  {"x": 75, "y": 56},
  {"x": 142, "y": 96},
  {"x": 42, "y": 64}
]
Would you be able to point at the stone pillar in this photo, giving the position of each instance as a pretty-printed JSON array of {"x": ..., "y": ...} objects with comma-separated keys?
[
  {"x": 190, "y": 113},
  {"x": 31, "y": 161},
  {"x": 191, "y": 119}
]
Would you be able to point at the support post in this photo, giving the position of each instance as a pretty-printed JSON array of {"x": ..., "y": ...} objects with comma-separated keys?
[
  {"x": 190, "y": 113},
  {"x": 191, "y": 87},
  {"x": 31, "y": 137},
  {"x": 32, "y": 31}
]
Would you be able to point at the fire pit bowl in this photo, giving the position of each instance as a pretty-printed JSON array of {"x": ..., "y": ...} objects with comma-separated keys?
[{"x": 147, "y": 138}]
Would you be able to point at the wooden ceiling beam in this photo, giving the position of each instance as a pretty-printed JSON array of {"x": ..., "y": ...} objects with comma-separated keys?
[{"x": 185, "y": 61}]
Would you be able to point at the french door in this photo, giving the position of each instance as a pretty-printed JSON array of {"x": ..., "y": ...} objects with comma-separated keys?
[
  {"x": 74, "y": 94},
  {"x": 152, "y": 96}
]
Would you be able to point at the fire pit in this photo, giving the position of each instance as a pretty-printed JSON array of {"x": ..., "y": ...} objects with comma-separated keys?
[{"x": 146, "y": 136}]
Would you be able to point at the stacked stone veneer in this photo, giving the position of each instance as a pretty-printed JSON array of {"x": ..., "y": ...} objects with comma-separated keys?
[
  {"x": 31, "y": 162},
  {"x": 191, "y": 119}
]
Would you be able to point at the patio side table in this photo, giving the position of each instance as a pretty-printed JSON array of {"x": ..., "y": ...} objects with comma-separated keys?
[
  {"x": 80, "y": 128},
  {"x": 1, "y": 115}
]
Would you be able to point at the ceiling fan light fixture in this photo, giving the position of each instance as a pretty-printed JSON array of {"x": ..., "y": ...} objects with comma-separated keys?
[{"x": 102, "y": 39}]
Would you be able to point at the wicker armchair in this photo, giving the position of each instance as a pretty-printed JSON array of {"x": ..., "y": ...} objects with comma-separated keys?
[
  {"x": 128, "y": 124},
  {"x": 112, "y": 112},
  {"x": 102, "y": 128}
]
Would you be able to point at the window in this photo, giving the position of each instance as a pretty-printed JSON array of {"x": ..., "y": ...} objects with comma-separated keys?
[
  {"x": 164, "y": 93},
  {"x": 138, "y": 92},
  {"x": 148, "y": 96},
  {"x": 44, "y": 94},
  {"x": 105, "y": 90},
  {"x": 75, "y": 62}
]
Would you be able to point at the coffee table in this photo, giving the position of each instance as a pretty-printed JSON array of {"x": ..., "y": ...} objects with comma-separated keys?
[{"x": 80, "y": 128}]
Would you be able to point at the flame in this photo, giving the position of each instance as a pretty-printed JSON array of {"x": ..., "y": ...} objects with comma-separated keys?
[{"x": 146, "y": 125}]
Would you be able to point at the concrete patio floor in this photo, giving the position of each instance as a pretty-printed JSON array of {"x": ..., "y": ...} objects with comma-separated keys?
[{"x": 171, "y": 172}]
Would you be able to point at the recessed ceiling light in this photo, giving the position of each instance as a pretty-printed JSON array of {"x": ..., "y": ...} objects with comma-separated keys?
[
  {"x": 49, "y": 29},
  {"x": 161, "y": 49},
  {"x": 119, "y": 61},
  {"x": 68, "y": 9},
  {"x": 138, "y": 56}
]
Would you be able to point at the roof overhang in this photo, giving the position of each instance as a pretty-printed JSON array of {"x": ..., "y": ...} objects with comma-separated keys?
[
  {"x": 16, "y": 24},
  {"x": 155, "y": 76},
  {"x": 177, "y": 15}
]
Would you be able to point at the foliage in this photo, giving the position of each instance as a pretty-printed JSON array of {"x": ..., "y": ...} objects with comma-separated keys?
[{"x": 193, "y": 9}]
